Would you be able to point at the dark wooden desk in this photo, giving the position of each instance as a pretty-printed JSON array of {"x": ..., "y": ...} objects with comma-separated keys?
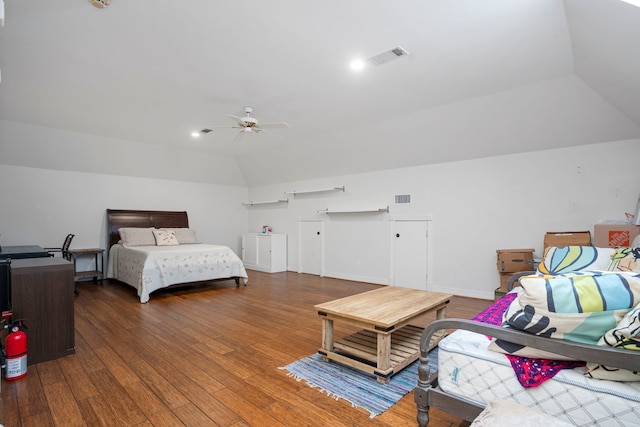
[
  {"x": 42, "y": 294},
  {"x": 21, "y": 252}
]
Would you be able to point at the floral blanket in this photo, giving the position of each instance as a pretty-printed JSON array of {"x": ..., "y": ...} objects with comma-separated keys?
[
  {"x": 530, "y": 372},
  {"x": 149, "y": 268}
]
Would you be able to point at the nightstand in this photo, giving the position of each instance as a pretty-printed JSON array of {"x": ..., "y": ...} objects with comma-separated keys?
[{"x": 96, "y": 253}]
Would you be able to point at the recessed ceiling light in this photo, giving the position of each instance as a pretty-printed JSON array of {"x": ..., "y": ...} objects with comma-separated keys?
[
  {"x": 195, "y": 134},
  {"x": 357, "y": 64}
]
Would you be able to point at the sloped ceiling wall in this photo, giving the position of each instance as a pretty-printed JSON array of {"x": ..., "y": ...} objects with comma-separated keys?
[
  {"x": 482, "y": 79},
  {"x": 605, "y": 36}
]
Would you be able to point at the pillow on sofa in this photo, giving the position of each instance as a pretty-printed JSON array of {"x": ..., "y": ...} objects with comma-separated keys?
[
  {"x": 185, "y": 236},
  {"x": 625, "y": 335},
  {"x": 625, "y": 260},
  {"x": 165, "y": 238},
  {"x": 574, "y": 258},
  {"x": 579, "y": 308},
  {"x": 134, "y": 236}
]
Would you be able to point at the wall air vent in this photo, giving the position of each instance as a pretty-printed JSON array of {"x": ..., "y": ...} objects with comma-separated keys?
[
  {"x": 403, "y": 198},
  {"x": 390, "y": 55}
]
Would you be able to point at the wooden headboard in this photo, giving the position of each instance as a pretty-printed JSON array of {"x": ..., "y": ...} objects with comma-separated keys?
[{"x": 133, "y": 218}]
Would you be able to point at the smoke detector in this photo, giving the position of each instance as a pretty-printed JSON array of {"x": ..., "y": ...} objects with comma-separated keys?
[{"x": 100, "y": 4}]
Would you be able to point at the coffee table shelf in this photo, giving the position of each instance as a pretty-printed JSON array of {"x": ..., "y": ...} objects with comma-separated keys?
[
  {"x": 387, "y": 342},
  {"x": 405, "y": 348},
  {"x": 405, "y": 343}
]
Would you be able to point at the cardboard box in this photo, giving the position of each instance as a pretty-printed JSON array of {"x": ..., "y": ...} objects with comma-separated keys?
[
  {"x": 504, "y": 280},
  {"x": 610, "y": 234},
  {"x": 514, "y": 260},
  {"x": 567, "y": 238}
]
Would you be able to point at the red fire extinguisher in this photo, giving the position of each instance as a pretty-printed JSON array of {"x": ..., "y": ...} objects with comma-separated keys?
[{"x": 16, "y": 352}]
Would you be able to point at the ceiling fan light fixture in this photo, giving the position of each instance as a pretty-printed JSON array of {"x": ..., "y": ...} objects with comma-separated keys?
[{"x": 248, "y": 124}]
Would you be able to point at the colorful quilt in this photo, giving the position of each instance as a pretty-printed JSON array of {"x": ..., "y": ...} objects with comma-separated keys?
[
  {"x": 571, "y": 259},
  {"x": 529, "y": 371}
]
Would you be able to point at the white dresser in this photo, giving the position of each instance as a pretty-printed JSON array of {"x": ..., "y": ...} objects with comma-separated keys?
[{"x": 264, "y": 252}]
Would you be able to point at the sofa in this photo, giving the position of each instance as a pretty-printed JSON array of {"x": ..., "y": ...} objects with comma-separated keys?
[{"x": 565, "y": 342}]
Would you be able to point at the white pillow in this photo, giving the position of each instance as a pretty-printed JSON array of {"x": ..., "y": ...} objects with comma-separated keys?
[
  {"x": 185, "y": 236},
  {"x": 134, "y": 236},
  {"x": 165, "y": 237}
]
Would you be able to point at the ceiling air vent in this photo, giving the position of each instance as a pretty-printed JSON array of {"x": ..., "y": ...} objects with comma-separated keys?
[
  {"x": 205, "y": 130},
  {"x": 390, "y": 55}
]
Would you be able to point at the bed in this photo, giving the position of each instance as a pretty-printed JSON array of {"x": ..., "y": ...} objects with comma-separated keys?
[
  {"x": 152, "y": 250},
  {"x": 604, "y": 390}
]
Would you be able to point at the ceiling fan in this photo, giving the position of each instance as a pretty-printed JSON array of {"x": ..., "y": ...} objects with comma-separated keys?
[{"x": 248, "y": 124}]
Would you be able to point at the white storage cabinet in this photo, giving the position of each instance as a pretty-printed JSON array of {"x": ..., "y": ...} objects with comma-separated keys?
[{"x": 265, "y": 252}]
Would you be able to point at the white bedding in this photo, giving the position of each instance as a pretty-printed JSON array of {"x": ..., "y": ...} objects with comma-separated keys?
[
  {"x": 468, "y": 369},
  {"x": 149, "y": 268}
]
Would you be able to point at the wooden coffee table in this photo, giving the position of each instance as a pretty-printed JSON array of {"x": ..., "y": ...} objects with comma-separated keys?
[{"x": 387, "y": 342}]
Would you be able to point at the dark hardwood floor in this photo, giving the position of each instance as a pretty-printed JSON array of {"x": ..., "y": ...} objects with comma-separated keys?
[{"x": 201, "y": 355}]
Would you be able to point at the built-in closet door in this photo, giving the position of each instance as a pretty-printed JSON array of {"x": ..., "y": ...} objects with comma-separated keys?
[
  {"x": 409, "y": 253},
  {"x": 310, "y": 247}
]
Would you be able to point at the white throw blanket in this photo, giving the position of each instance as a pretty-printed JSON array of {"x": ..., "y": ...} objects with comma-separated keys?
[{"x": 149, "y": 268}]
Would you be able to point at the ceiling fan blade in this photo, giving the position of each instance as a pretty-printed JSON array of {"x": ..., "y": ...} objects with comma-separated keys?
[
  {"x": 275, "y": 125},
  {"x": 267, "y": 131},
  {"x": 213, "y": 128},
  {"x": 210, "y": 129},
  {"x": 239, "y": 120},
  {"x": 238, "y": 137}
]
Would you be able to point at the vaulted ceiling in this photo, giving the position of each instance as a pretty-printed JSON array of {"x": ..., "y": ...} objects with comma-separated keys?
[{"x": 482, "y": 78}]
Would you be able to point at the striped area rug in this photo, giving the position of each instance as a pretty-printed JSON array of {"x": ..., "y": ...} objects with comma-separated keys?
[{"x": 360, "y": 389}]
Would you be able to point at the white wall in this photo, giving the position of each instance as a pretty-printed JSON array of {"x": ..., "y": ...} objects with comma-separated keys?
[
  {"x": 477, "y": 206},
  {"x": 55, "y": 182},
  {"x": 33, "y": 146},
  {"x": 41, "y": 206}
]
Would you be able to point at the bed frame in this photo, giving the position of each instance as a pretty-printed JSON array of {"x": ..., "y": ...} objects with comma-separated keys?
[
  {"x": 117, "y": 219},
  {"x": 427, "y": 393}
]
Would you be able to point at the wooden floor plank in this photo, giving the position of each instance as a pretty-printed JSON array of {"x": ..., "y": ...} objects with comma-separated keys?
[
  {"x": 63, "y": 406},
  {"x": 30, "y": 394},
  {"x": 191, "y": 416},
  {"x": 201, "y": 355},
  {"x": 126, "y": 412},
  {"x": 246, "y": 409},
  {"x": 96, "y": 412}
]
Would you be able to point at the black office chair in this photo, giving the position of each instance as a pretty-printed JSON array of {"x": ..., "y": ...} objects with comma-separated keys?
[{"x": 64, "y": 250}]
